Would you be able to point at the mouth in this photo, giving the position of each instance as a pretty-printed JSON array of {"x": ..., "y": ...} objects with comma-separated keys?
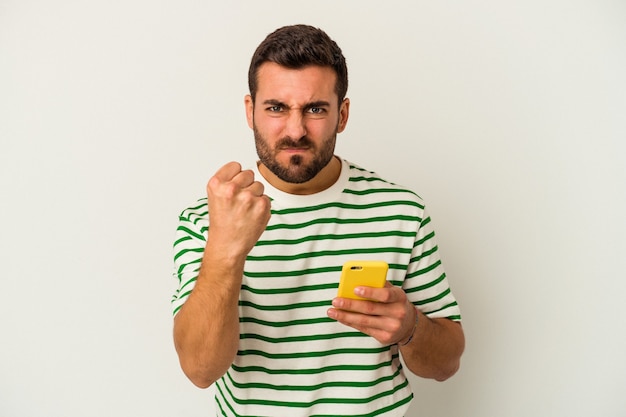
[
  {"x": 294, "y": 146},
  {"x": 292, "y": 149}
]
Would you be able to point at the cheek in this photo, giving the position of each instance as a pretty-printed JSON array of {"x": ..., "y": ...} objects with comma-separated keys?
[
  {"x": 321, "y": 128},
  {"x": 269, "y": 126}
]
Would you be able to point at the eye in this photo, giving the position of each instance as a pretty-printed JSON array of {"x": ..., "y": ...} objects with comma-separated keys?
[
  {"x": 316, "y": 110},
  {"x": 274, "y": 109}
]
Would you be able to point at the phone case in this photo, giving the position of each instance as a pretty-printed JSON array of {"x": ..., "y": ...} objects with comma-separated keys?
[{"x": 361, "y": 273}]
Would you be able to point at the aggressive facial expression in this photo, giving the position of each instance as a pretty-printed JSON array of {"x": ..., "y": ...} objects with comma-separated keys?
[{"x": 295, "y": 118}]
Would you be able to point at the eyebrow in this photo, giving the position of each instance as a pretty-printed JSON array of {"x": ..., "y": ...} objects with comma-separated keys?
[{"x": 318, "y": 103}]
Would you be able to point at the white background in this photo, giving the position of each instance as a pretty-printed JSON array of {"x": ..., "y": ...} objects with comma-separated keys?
[{"x": 508, "y": 117}]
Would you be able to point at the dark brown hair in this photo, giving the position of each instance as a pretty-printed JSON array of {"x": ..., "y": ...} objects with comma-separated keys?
[{"x": 296, "y": 47}]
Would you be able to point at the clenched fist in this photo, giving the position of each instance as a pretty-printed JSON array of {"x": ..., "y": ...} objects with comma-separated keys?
[{"x": 238, "y": 209}]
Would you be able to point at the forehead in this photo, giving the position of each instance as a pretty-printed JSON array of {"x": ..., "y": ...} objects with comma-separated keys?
[{"x": 303, "y": 84}]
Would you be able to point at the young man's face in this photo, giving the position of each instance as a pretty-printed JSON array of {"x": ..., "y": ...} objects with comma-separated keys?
[{"x": 296, "y": 117}]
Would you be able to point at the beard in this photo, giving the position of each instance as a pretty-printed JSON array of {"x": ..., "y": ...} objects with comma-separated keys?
[{"x": 296, "y": 171}]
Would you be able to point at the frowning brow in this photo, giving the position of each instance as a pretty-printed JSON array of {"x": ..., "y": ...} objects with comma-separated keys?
[{"x": 318, "y": 103}]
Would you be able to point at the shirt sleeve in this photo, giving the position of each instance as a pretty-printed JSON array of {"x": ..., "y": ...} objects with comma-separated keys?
[
  {"x": 426, "y": 284},
  {"x": 190, "y": 240}
]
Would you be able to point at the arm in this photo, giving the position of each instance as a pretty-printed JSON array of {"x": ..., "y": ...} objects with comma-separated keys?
[
  {"x": 206, "y": 329},
  {"x": 435, "y": 349}
]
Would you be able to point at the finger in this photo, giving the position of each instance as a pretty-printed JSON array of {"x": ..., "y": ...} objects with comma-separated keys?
[
  {"x": 396, "y": 310},
  {"x": 364, "y": 322},
  {"x": 256, "y": 188},
  {"x": 385, "y": 329},
  {"x": 372, "y": 308},
  {"x": 228, "y": 171},
  {"x": 243, "y": 178},
  {"x": 388, "y": 294}
]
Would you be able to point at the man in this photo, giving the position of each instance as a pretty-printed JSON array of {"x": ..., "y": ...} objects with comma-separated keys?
[{"x": 259, "y": 259}]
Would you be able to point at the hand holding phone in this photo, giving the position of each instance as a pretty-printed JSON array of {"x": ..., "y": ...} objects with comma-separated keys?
[{"x": 361, "y": 274}]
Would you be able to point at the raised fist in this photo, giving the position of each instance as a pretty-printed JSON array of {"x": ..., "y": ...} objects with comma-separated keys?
[{"x": 238, "y": 209}]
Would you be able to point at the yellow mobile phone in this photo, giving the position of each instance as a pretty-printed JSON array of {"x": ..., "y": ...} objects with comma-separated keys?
[{"x": 361, "y": 273}]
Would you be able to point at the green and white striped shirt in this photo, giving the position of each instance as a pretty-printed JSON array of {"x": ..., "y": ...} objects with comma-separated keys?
[{"x": 292, "y": 359}]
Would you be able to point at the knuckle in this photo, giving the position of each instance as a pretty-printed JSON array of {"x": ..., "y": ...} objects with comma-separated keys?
[
  {"x": 213, "y": 183},
  {"x": 395, "y": 327},
  {"x": 369, "y": 308},
  {"x": 365, "y": 321},
  {"x": 229, "y": 190},
  {"x": 246, "y": 176},
  {"x": 402, "y": 313}
]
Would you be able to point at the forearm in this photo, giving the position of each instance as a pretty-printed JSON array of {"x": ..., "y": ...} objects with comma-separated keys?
[
  {"x": 435, "y": 349},
  {"x": 206, "y": 329}
]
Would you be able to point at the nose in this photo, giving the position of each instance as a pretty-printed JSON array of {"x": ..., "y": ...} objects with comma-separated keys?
[{"x": 295, "y": 126}]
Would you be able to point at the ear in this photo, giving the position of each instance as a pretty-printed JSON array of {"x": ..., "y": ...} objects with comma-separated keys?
[
  {"x": 344, "y": 112},
  {"x": 249, "y": 103}
]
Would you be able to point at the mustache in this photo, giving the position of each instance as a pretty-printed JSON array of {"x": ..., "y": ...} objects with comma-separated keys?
[{"x": 287, "y": 142}]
